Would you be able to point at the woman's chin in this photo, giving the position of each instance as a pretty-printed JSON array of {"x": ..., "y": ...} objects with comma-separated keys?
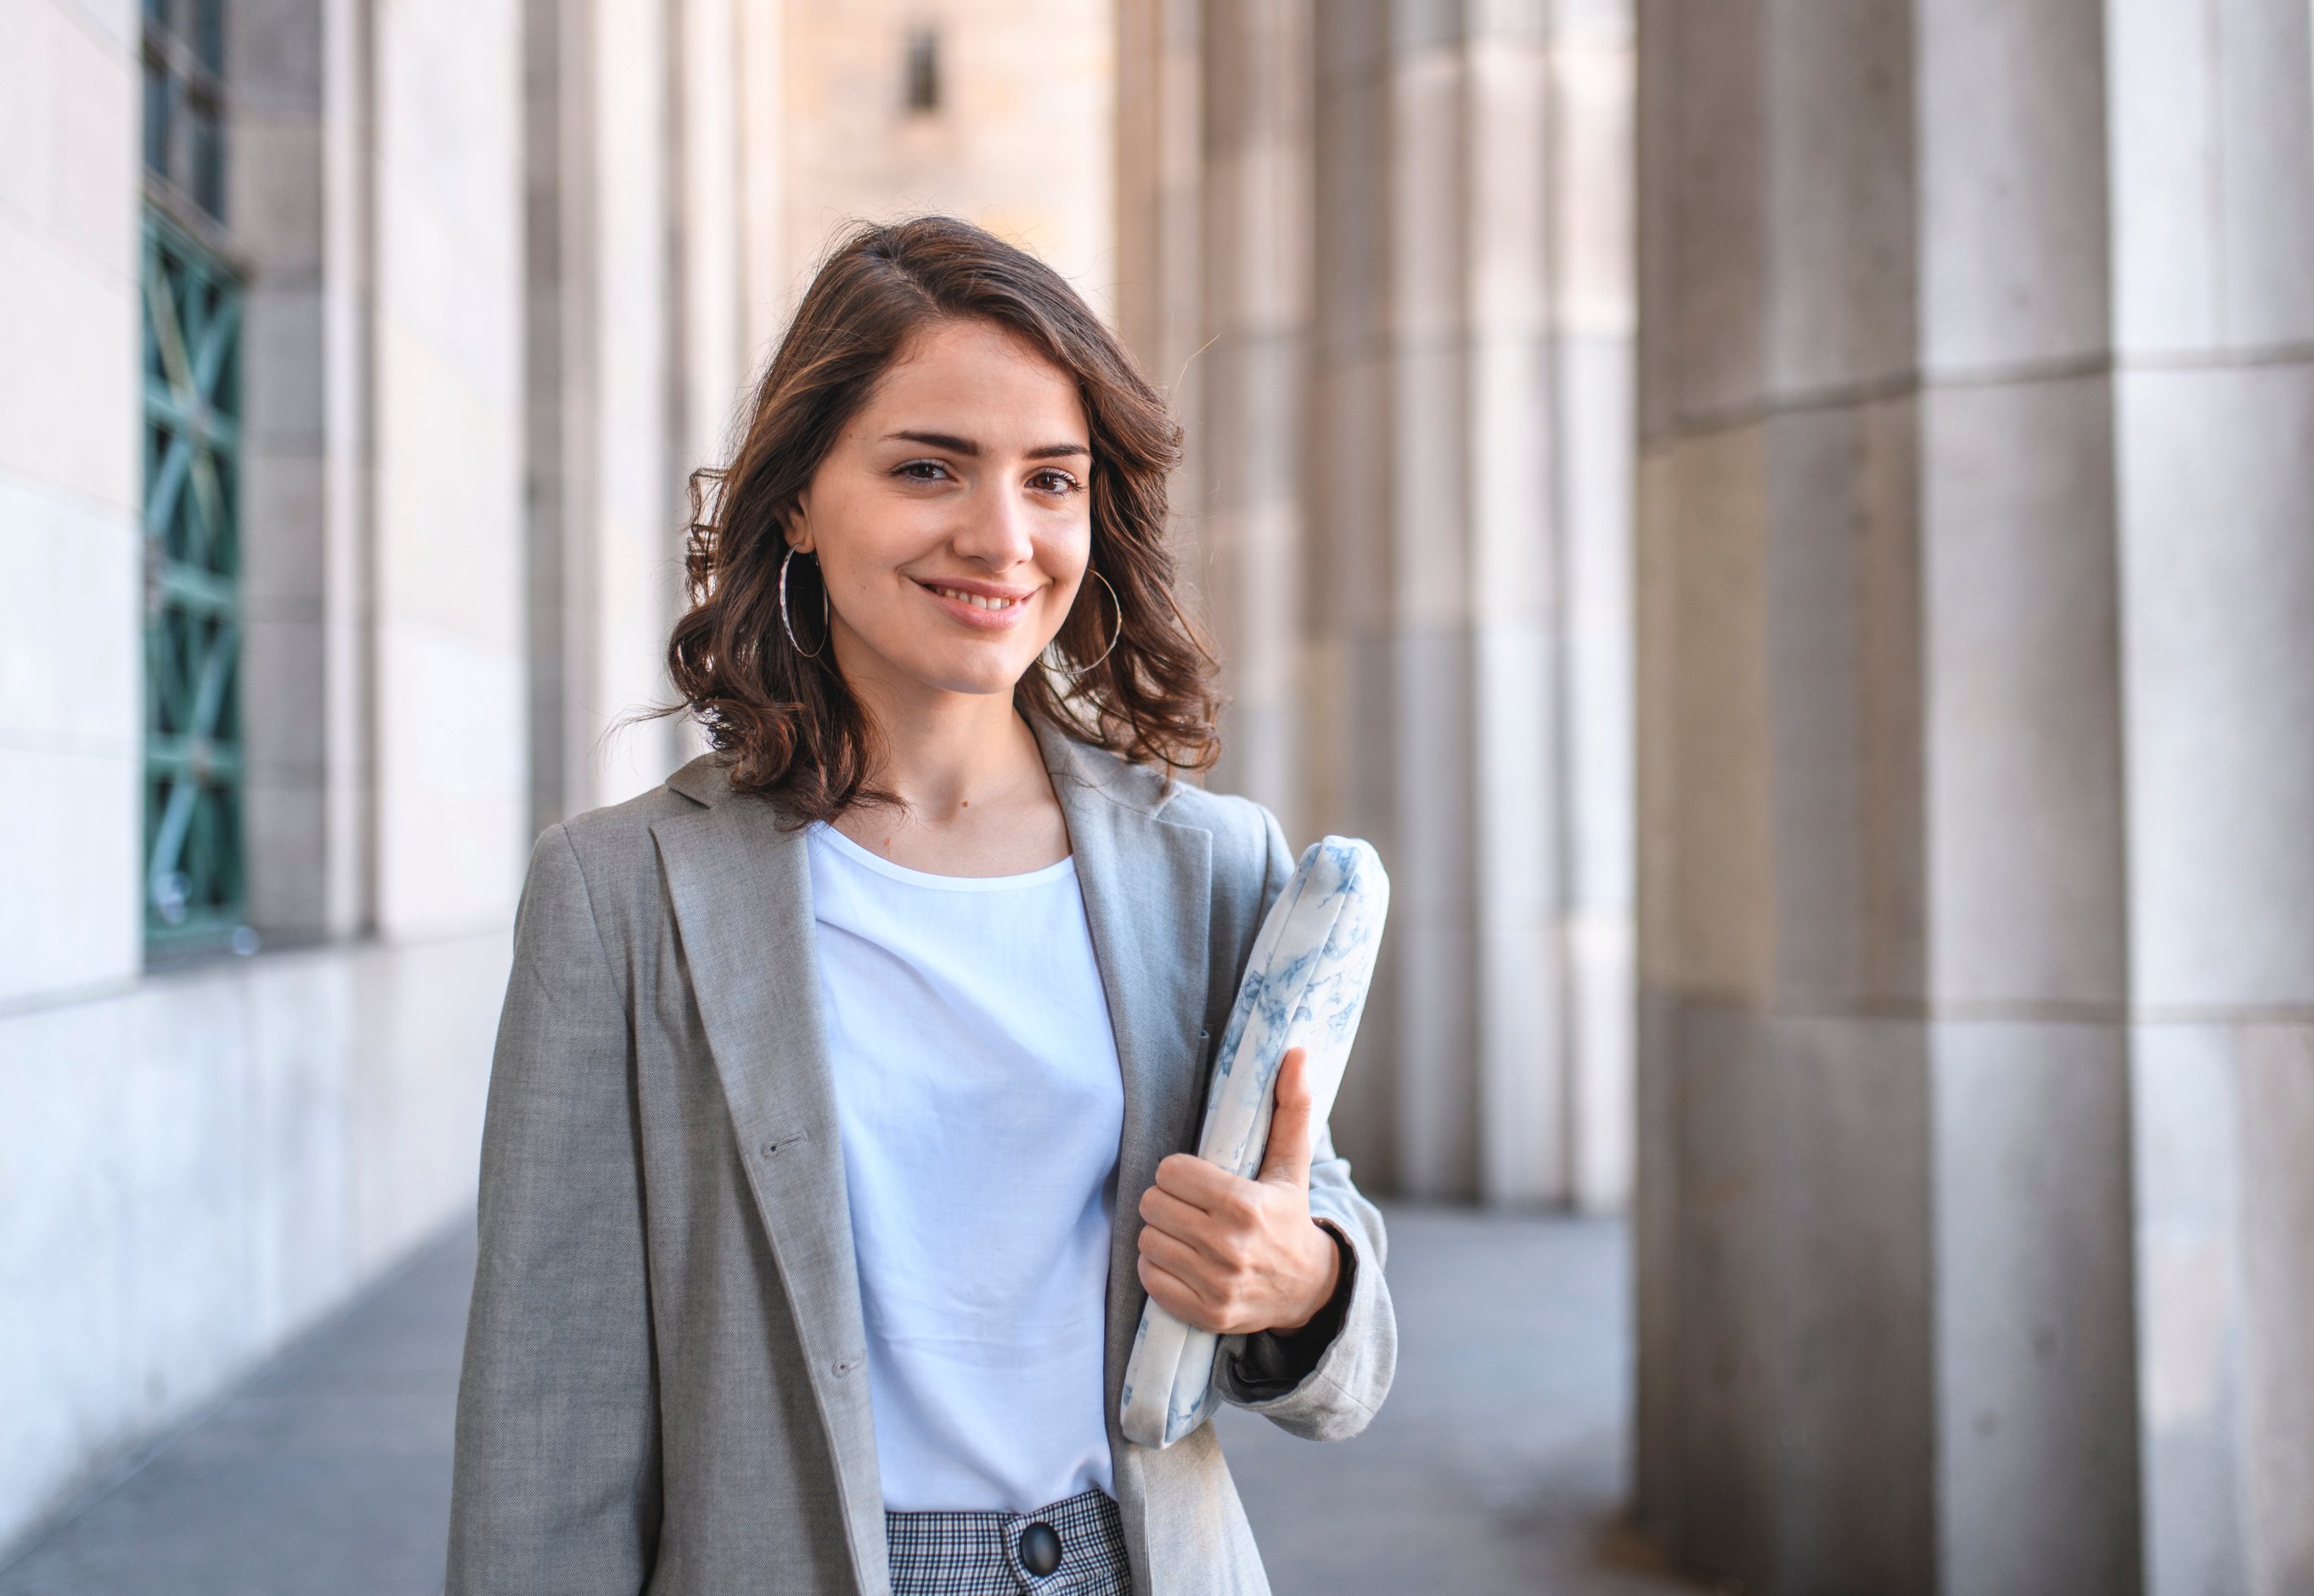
[{"x": 977, "y": 675}]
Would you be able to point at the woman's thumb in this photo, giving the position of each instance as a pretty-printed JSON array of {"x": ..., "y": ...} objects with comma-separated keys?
[{"x": 1288, "y": 1157}]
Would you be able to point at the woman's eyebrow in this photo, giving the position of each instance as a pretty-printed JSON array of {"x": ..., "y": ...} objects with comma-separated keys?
[{"x": 965, "y": 446}]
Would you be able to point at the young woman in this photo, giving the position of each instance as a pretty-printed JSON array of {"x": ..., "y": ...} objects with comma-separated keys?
[{"x": 836, "y": 1124}]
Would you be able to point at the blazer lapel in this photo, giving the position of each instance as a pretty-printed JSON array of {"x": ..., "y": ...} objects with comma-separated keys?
[
  {"x": 1147, "y": 886},
  {"x": 741, "y": 890}
]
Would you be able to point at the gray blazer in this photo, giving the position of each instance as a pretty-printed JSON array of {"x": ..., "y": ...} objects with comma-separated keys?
[{"x": 664, "y": 1385}]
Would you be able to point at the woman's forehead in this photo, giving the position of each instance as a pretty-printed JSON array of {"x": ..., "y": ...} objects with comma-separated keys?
[{"x": 977, "y": 381}]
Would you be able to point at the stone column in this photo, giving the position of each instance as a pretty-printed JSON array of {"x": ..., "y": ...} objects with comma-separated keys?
[
  {"x": 1973, "y": 964},
  {"x": 1468, "y": 618},
  {"x": 299, "y": 178},
  {"x": 641, "y": 243},
  {"x": 1247, "y": 421},
  {"x": 1381, "y": 251}
]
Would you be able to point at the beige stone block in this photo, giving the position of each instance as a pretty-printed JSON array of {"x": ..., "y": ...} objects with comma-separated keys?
[
  {"x": 2264, "y": 108},
  {"x": 1722, "y": 804},
  {"x": 1715, "y": 233},
  {"x": 1513, "y": 527},
  {"x": 27, "y": 109},
  {"x": 448, "y": 517},
  {"x": 2037, "y": 1476},
  {"x": 1509, "y": 116},
  {"x": 1602, "y": 1090},
  {"x": 283, "y": 345},
  {"x": 2013, "y": 214},
  {"x": 71, "y": 625},
  {"x": 451, "y": 793},
  {"x": 1657, "y": 107},
  {"x": 2186, "y": 1119},
  {"x": 2277, "y": 1081},
  {"x": 1841, "y": 295},
  {"x": 73, "y": 885},
  {"x": 2021, "y": 647},
  {"x": 1602, "y": 23},
  {"x": 96, "y": 108},
  {"x": 1257, "y": 239},
  {"x": 1516, "y": 818},
  {"x": 1351, "y": 245},
  {"x": 273, "y": 58},
  {"x": 1593, "y": 510},
  {"x": 284, "y": 503},
  {"x": 1657, "y": 1481},
  {"x": 276, "y": 180},
  {"x": 1431, "y": 759},
  {"x": 1593, "y": 288},
  {"x": 1657, "y": 724},
  {"x": 2216, "y": 471},
  {"x": 1851, "y": 1291},
  {"x": 1724, "y": 1318},
  {"x": 286, "y": 815},
  {"x": 75, "y": 430},
  {"x": 1351, "y": 40},
  {"x": 2161, "y": 106},
  {"x": 1428, "y": 24},
  {"x": 285, "y": 698},
  {"x": 1347, "y": 531},
  {"x": 1845, "y": 719},
  {"x": 1430, "y": 219},
  {"x": 1429, "y": 572}
]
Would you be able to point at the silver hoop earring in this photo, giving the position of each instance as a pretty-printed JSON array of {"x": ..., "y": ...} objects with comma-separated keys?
[
  {"x": 789, "y": 627},
  {"x": 1051, "y": 661}
]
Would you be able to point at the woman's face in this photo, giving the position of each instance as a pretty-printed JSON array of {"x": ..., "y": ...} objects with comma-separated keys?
[{"x": 953, "y": 519}]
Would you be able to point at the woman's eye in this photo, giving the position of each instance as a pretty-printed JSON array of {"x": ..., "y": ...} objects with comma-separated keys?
[
  {"x": 1053, "y": 481},
  {"x": 922, "y": 471}
]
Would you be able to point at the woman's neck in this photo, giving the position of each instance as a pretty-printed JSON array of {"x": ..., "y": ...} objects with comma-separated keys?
[{"x": 973, "y": 797}]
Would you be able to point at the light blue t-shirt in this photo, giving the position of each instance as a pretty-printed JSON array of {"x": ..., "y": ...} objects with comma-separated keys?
[{"x": 980, "y": 1104}]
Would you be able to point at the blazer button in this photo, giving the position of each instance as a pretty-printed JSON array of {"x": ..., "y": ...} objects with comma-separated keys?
[{"x": 1040, "y": 1549}]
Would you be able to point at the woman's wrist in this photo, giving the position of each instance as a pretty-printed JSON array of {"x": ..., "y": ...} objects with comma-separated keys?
[{"x": 1325, "y": 1273}]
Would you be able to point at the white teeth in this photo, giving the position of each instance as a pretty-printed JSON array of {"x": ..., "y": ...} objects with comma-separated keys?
[{"x": 978, "y": 601}]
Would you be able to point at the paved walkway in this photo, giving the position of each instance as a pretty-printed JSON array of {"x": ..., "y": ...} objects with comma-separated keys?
[{"x": 1495, "y": 1468}]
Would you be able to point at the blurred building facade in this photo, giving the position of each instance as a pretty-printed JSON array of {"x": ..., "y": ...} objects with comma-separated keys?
[{"x": 357, "y": 357}]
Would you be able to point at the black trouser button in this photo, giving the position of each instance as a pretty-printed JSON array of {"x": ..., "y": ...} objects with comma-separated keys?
[{"x": 1040, "y": 1549}]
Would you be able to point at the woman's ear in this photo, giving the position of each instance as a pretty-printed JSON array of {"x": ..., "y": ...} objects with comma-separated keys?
[{"x": 795, "y": 526}]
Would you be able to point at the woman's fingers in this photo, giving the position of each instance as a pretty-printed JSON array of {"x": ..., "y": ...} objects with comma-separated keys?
[
  {"x": 1199, "y": 1184},
  {"x": 1166, "y": 1212},
  {"x": 1174, "y": 1296},
  {"x": 1180, "y": 1259}
]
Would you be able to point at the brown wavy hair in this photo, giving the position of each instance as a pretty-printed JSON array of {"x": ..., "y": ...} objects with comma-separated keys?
[{"x": 789, "y": 725}]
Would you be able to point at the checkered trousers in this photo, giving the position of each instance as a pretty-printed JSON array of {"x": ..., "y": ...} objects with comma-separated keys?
[{"x": 978, "y": 1554}]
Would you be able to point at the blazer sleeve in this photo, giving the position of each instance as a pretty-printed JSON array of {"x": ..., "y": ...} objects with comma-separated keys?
[
  {"x": 1312, "y": 1384},
  {"x": 556, "y": 1479}
]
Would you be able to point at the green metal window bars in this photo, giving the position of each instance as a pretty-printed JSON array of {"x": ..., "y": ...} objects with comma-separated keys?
[{"x": 195, "y": 884}]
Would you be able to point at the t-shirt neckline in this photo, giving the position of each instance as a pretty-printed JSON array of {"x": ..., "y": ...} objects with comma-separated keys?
[{"x": 853, "y": 852}]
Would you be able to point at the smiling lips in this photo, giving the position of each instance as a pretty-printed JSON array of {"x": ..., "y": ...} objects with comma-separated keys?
[
  {"x": 978, "y": 601},
  {"x": 988, "y": 608}
]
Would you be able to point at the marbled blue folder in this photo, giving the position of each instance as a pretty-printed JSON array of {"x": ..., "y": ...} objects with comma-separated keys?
[{"x": 1304, "y": 986}]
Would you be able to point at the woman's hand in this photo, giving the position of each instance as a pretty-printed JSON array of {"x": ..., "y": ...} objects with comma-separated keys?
[{"x": 1236, "y": 1256}]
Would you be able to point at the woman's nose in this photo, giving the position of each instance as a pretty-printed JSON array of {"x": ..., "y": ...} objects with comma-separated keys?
[{"x": 994, "y": 531}]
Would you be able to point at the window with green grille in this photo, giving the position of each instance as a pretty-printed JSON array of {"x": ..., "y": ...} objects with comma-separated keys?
[
  {"x": 193, "y": 842},
  {"x": 195, "y": 893}
]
